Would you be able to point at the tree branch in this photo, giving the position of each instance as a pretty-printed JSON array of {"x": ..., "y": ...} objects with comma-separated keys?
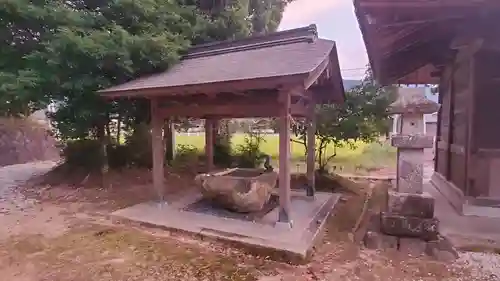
[
  {"x": 296, "y": 141},
  {"x": 333, "y": 155}
]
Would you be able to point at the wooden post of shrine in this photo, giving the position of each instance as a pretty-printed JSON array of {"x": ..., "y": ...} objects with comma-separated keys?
[
  {"x": 215, "y": 134},
  {"x": 311, "y": 145},
  {"x": 158, "y": 149},
  {"x": 168, "y": 137},
  {"x": 216, "y": 123},
  {"x": 284, "y": 217},
  {"x": 209, "y": 143}
]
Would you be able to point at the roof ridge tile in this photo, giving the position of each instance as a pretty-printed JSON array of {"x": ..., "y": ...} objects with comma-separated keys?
[{"x": 292, "y": 36}]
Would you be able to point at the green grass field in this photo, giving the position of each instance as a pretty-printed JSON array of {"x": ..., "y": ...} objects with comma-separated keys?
[{"x": 364, "y": 155}]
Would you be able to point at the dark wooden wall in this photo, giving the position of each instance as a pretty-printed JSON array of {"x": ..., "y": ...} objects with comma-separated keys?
[
  {"x": 453, "y": 134},
  {"x": 485, "y": 132},
  {"x": 468, "y": 138}
]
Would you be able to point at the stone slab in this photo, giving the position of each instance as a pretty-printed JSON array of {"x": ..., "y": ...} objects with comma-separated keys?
[
  {"x": 412, "y": 141},
  {"x": 412, "y": 246},
  {"x": 376, "y": 240},
  {"x": 441, "y": 250},
  {"x": 403, "y": 226},
  {"x": 410, "y": 204},
  {"x": 410, "y": 171},
  {"x": 448, "y": 191},
  {"x": 480, "y": 211},
  {"x": 291, "y": 244}
]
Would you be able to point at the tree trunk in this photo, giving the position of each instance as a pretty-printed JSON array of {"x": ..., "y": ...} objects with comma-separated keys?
[
  {"x": 103, "y": 140},
  {"x": 118, "y": 128},
  {"x": 108, "y": 129},
  {"x": 321, "y": 161}
]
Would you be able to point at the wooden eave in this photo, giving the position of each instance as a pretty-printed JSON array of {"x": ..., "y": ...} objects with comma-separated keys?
[
  {"x": 317, "y": 80},
  {"x": 405, "y": 40}
]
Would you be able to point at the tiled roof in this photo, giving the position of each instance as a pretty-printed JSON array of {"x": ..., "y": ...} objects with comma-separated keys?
[{"x": 280, "y": 54}]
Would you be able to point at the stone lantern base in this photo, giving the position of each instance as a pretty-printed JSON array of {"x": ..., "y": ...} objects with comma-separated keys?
[{"x": 409, "y": 225}]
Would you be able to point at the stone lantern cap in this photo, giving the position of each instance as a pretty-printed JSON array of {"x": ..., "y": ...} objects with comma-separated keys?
[{"x": 413, "y": 101}]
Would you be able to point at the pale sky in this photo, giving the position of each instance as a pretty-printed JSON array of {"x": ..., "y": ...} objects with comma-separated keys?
[{"x": 336, "y": 21}]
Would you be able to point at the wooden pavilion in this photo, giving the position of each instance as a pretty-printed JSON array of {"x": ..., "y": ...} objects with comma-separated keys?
[
  {"x": 455, "y": 44},
  {"x": 282, "y": 74}
]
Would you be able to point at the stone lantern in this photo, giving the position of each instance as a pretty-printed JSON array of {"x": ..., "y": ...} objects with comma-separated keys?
[
  {"x": 408, "y": 223},
  {"x": 410, "y": 211},
  {"x": 410, "y": 139}
]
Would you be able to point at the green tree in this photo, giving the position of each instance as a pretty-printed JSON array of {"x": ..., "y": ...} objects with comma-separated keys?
[
  {"x": 23, "y": 26},
  {"x": 64, "y": 51},
  {"x": 243, "y": 17},
  {"x": 362, "y": 117}
]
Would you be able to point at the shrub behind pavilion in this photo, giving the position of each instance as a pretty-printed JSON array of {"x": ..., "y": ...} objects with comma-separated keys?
[{"x": 363, "y": 117}]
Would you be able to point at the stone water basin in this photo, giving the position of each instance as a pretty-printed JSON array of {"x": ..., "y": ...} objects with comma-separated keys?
[{"x": 239, "y": 190}]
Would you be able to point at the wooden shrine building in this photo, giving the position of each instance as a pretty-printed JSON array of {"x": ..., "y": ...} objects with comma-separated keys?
[
  {"x": 282, "y": 74},
  {"x": 456, "y": 45}
]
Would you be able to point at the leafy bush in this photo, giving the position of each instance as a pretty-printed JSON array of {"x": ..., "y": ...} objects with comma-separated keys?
[
  {"x": 82, "y": 154},
  {"x": 185, "y": 155},
  {"x": 222, "y": 154},
  {"x": 86, "y": 154},
  {"x": 248, "y": 154},
  {"x": 139, "y": 146},
  {"x": 118, "y": 156}
]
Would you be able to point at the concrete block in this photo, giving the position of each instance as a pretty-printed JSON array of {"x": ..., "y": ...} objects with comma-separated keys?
[
  {"x": 414, "y": 247},
  {"x": 376, "y": 240},
  {"x": 415, "y": 141},
  {"x": 441, "y": 250},
  {"x": 405, "y": 226},
  {"x": 410, "y": 204}
]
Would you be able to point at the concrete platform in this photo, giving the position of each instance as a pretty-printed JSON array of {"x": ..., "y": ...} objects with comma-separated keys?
[{"x": 309, "y": 216}]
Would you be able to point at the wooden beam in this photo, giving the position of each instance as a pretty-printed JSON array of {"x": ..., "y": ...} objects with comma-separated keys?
[
  {"x": 158, "y": 149},
  {"x": 466, "y": 48},
  {"x": 403, "y": 23},
  {"x": 232, "y": 110},
  {"x": 419, "y": 36},
  {"x": 300, "y": 92},
  {"x": 261, "y": 96},
  {"x": 427, "y": 4},
  {"x": 208, "y": 88},
  {"x": 388, "y": 40},
  {"x": 323, "y": 94},
  {"x": 316, "y": 73},
  {"x": 402, "y": 64}
]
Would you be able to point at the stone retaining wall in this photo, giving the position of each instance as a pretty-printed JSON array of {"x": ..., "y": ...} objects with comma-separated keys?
[{"x": 23, "y": 141}]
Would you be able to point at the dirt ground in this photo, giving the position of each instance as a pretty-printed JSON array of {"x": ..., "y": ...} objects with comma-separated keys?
[{"x": 64, "y": 232}]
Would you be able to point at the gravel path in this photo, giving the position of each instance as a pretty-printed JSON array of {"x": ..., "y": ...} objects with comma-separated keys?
[
  {"x": 10, "y": 177},
  {"x": 483, "y": 266},
  {"x": 20, "y": 215}
]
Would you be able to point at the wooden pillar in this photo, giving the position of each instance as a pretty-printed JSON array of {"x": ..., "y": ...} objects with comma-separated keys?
[
  {"x": 284, "y": 160},
  {"x": 158, "y": 149},
  {"x": 209, "y": 143},
  {"x": 311, "y": 144},
  {"x": 168, "y": 137},
  {"x": 216, "y": 123}
]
